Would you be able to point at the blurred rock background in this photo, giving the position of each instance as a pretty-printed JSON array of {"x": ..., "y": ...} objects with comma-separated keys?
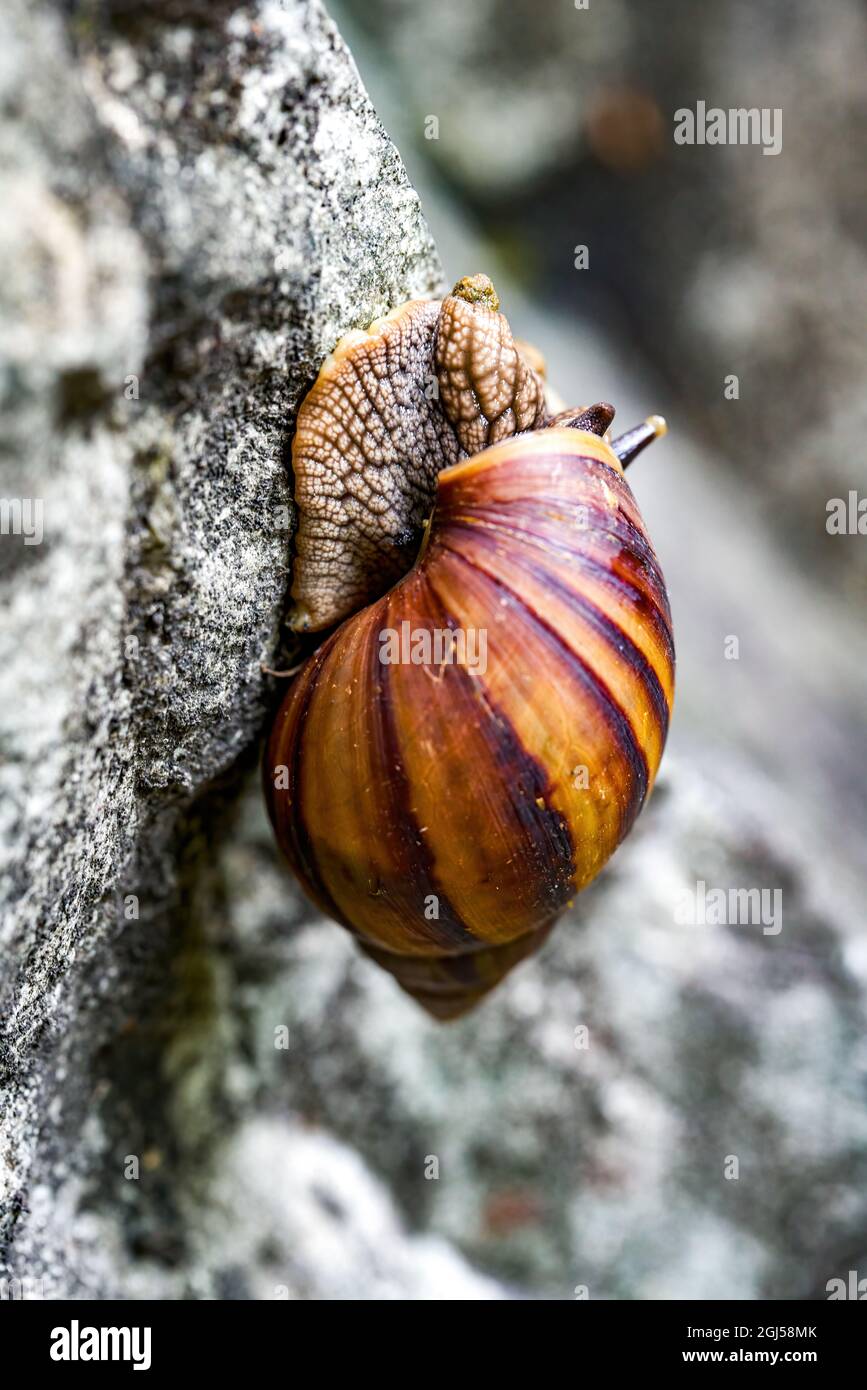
[
  {"x": 201, "y": 196},
  {"x": 555, "y": 127}
]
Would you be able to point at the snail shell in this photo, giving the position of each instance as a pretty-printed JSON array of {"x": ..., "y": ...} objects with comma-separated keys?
[{"x": 447, "y": 810}]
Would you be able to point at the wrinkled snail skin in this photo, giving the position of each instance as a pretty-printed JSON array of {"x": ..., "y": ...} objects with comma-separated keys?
[
  {"x": 492, "y": 795},
  {"x": 369, "y": 443},
  {"x": 487, "y": 388},
  {"x": 430, "y": 383}
]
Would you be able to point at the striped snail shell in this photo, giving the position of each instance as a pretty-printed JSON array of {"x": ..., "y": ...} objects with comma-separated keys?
[{"x": 461, "y": 756}]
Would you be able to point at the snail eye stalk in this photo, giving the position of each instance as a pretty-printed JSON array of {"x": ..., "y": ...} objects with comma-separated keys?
[
  {"x": 596, "y": 419},
  {"x": 628, "y": 446}
]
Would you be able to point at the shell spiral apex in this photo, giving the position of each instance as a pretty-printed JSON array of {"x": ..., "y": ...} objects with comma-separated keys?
[{"x": 463, "y": 754}]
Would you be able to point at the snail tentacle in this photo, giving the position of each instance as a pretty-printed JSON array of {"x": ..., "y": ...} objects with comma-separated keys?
[
  {"x": 596, "y": 419},
  {"x": 628, "y": 446}
]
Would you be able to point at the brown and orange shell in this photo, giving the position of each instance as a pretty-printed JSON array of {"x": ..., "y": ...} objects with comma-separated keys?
[{"x": 447, "y": 811}]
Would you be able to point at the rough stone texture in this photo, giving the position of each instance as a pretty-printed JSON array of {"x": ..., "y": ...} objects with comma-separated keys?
[{"x": 174, "y": 218}]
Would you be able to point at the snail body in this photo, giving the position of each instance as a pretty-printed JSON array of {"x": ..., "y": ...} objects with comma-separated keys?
[
  {"x": 430, "y": 383},
  {"x": 462, "y": 755}
]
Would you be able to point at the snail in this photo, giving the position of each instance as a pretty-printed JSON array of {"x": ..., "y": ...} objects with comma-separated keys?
[{"x": 476, "y": 735}]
